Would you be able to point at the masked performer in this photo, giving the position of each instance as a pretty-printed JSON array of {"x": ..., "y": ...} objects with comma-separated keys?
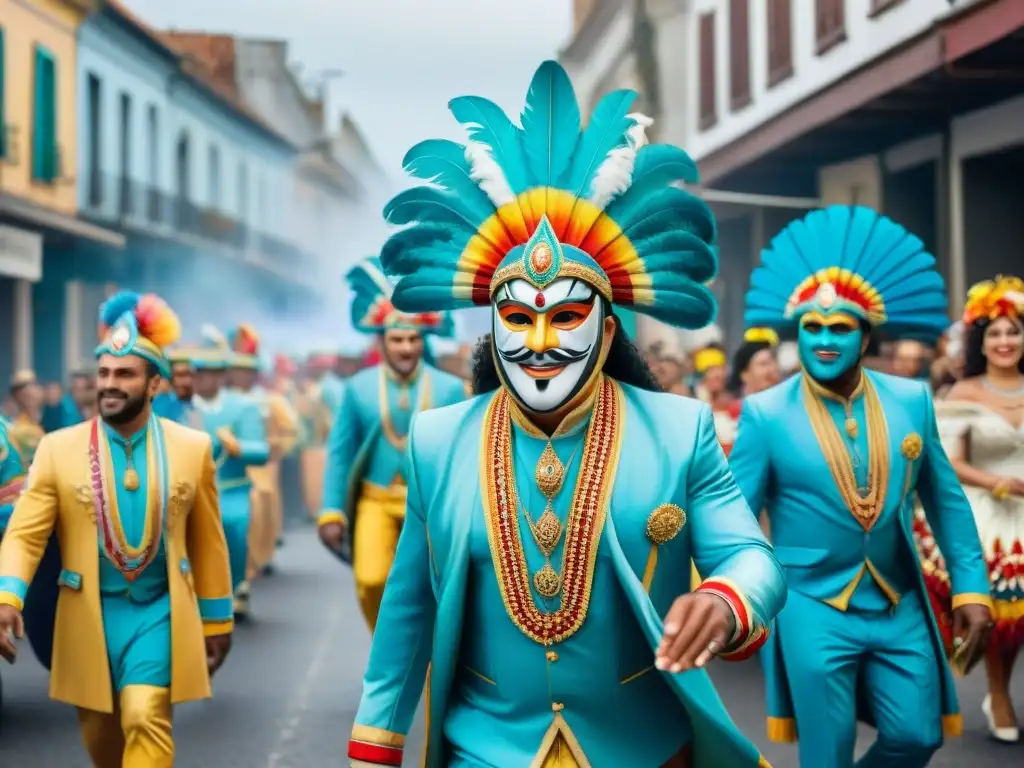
[
  {"x": 365, "y": 482},
  {"x": 835, "y": 455},
  {"x": 542, "y": 616},
  {"x": 982, "y": 425},
  {"x": 134, "y": 608},
  {"x": 234, "y": 423},
  {"x": 281, "y": 425}
]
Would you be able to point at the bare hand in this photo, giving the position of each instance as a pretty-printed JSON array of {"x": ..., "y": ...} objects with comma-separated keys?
[
  {"x": 11, "y": 627},
  {"x": 217, "y": 648},
  {"x": 1016, "y": 486},
  {"x": 698, "y": 626},
  {"x": 972, "y": 625},
  {"x": 332, "y": 535}
]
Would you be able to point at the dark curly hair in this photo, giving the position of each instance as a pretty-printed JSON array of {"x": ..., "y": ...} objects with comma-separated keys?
[
  {"x": 741, "y": 361},
  {"x": 975, "y": 362},
  {"x": 624, "y": 363}
]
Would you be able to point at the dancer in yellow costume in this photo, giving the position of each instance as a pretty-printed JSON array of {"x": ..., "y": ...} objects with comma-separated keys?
[
  {"x": 364, "y": 483},
  {"x": 282, "y": 433},
  {"x": 144, "y": 615}
]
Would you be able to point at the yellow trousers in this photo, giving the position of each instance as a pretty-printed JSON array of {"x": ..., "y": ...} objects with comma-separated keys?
[
  {"x": 137, "y": 734},
  {"x": 380, "y": 513},
  {"x": 266, "y": 517}
]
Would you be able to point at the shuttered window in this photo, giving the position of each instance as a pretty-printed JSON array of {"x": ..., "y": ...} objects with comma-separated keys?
[
  {"x": 3, "y": 98},
  {"x": 739, "y": 53},
  {"x": 830, "y": 24},
  {"x": 780, "y": 40},
  {"x": 45, "y": 160},
  {"x": 708, "y": 111}
]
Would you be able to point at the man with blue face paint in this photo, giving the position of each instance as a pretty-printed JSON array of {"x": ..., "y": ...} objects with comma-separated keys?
[{"x": 836, "y": 455}]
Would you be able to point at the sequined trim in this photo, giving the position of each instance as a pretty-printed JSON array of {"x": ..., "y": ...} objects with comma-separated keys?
[{"x": 585, "y": 523}]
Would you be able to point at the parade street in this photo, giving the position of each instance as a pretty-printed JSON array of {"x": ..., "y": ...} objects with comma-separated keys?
[{"x": 288, "y": 694}]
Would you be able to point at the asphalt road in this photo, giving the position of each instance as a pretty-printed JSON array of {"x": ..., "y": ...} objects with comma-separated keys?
[{"x": 287, "y": 696}]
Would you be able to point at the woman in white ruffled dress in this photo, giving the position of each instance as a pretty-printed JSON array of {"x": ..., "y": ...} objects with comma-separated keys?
[{"x": 981, "y": 422}]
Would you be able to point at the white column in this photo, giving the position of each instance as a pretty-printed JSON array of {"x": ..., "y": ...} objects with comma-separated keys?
[
  {"x": 22, "y": 324},
  {"x": 73, "y": 320},
  {"x": 957, "y": 241}
]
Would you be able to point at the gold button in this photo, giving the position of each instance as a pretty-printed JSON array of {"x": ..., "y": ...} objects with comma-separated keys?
[
  {"x": 557, "y": 706},
  {"x": 552, "y": 656}
]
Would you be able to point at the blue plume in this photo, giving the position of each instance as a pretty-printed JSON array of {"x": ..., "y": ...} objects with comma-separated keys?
[
  {"x": 605, "y": 131},
  {"x": 444, "y": 163},
  {"x": 551, "y": 124},
  {"x": 117, "y": 305},
  {"x": 661, "y": 164},
  {"x": 429, "y": 205},
  {"x": 872, "y": 247},
  {"x": 487, "y": 123}
]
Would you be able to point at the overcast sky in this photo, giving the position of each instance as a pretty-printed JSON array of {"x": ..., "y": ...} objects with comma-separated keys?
[{"x": 404, "y": 59}]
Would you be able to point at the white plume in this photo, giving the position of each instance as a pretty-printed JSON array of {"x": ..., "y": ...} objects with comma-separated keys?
[
  {"x": 485, "y": 171},
  {"x": 1016, "y": 297},
  {"x": 615, "y": 174}
]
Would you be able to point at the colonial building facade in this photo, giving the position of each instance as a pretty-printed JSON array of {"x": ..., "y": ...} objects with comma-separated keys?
[{"x": 38, "y": 175}]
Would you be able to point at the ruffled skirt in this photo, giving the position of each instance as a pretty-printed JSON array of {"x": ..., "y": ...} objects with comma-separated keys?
[{"x": 1001, "y": 529}]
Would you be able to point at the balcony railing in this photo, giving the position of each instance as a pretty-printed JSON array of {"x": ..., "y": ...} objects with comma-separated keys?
[{"x": 111, "y": 198}]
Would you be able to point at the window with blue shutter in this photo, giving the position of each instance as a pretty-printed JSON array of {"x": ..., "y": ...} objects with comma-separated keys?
[{"x": 45, "y": 161}]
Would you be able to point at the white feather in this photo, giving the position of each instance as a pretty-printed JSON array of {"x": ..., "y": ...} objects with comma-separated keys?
[
  {"x": 485, "y": 171},
  {"x": 1016, "y": 297},
  {"x": 615, "y": 174}
]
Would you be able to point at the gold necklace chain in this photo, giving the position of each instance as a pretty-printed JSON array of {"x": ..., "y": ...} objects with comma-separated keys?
[{"x": 868, "y": 507}]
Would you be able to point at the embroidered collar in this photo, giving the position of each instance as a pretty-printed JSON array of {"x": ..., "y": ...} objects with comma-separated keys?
[{"x": 824, "y": 392}]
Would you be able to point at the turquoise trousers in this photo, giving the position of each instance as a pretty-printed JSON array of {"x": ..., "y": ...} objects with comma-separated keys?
[{"x": 887, "y": 657}]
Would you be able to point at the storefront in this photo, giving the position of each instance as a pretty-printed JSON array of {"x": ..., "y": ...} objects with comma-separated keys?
[{"x": 21, "y": 265}]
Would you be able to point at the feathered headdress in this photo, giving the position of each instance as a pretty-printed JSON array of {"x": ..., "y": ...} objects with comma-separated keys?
[
  {"x": 373, "y": 310},
  {"x": 284, "y": 365},
  {"x": 245, "y": 347},
  {"x": 548, "y": 200},
  {"x": 213, "y": 353},
  {"x": 144, "y": 325},
  {"x": 1002, "y": 297},
  {"x": 853, "y": 260}
]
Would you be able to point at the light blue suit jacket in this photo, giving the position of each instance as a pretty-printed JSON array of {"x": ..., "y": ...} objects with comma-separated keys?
[
  {"x": 779, "y": 466},
  {"x": 669, "y": 455}
]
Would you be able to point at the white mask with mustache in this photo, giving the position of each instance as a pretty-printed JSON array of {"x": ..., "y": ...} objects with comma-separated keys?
[{"x": 547, "y": 342}]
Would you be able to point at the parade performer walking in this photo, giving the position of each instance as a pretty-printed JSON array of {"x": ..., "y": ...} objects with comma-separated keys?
[
  {"x": 235, "y": 424},
  {"x": 12, "y": 474},
  {"x": 176, "y": 404},
  {"x": 316, "y": 405},
  {"x": 281, "y": 425},
  {"x": 981, "y": 421},
  {"x": 26, "y": 427},
  {"x": 134, "y": 609},
  {"x": 541, "y": 617},
  {"x": 835, "y": 455},
  {"x": 364, "y": 482}
]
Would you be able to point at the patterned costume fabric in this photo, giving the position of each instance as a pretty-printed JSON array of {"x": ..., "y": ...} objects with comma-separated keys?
[
  {"x": 554, "y": 224},
  {"x": 858, "y": 609}
]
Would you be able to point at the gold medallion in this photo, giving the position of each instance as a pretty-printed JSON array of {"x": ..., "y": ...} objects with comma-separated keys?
[
  {"x": 852, "y": 429},
  {"x": 131, "y": 480},
  {"x": 549, "y": 474},
  {"x": 547, "y": 582},
  {"x": 547, "y": 531}
]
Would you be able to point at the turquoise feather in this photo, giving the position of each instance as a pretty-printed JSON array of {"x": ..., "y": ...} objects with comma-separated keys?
[
  {"x": 444, "y": 163},
  {"x": 551, "y": 124},
  {"x": 487, "y": 123},
  {"x": 369, "y": 284},
  {"x": 605, "y": 131},
  {"x": 875, "y": 248},
  {"x": 117, "y": 305},
  {"x": 661, "y": 164},
  {"x": 423, "y": 236},
  {"x": 430, "y": 206}
]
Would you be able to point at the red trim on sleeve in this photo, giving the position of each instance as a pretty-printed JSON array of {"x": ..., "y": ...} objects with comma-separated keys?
[
  {"x": 374, "y": 753},
  {"x": 744, "y": 652},
  {"x": 728, "y": 594}
]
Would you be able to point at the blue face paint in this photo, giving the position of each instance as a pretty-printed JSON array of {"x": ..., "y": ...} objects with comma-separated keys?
[{"x": 829, "y": 351}]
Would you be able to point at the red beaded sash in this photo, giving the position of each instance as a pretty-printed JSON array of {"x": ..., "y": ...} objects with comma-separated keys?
[
  {"x": 584, "y": 526},
  {"x": 130, "y": 561}
]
